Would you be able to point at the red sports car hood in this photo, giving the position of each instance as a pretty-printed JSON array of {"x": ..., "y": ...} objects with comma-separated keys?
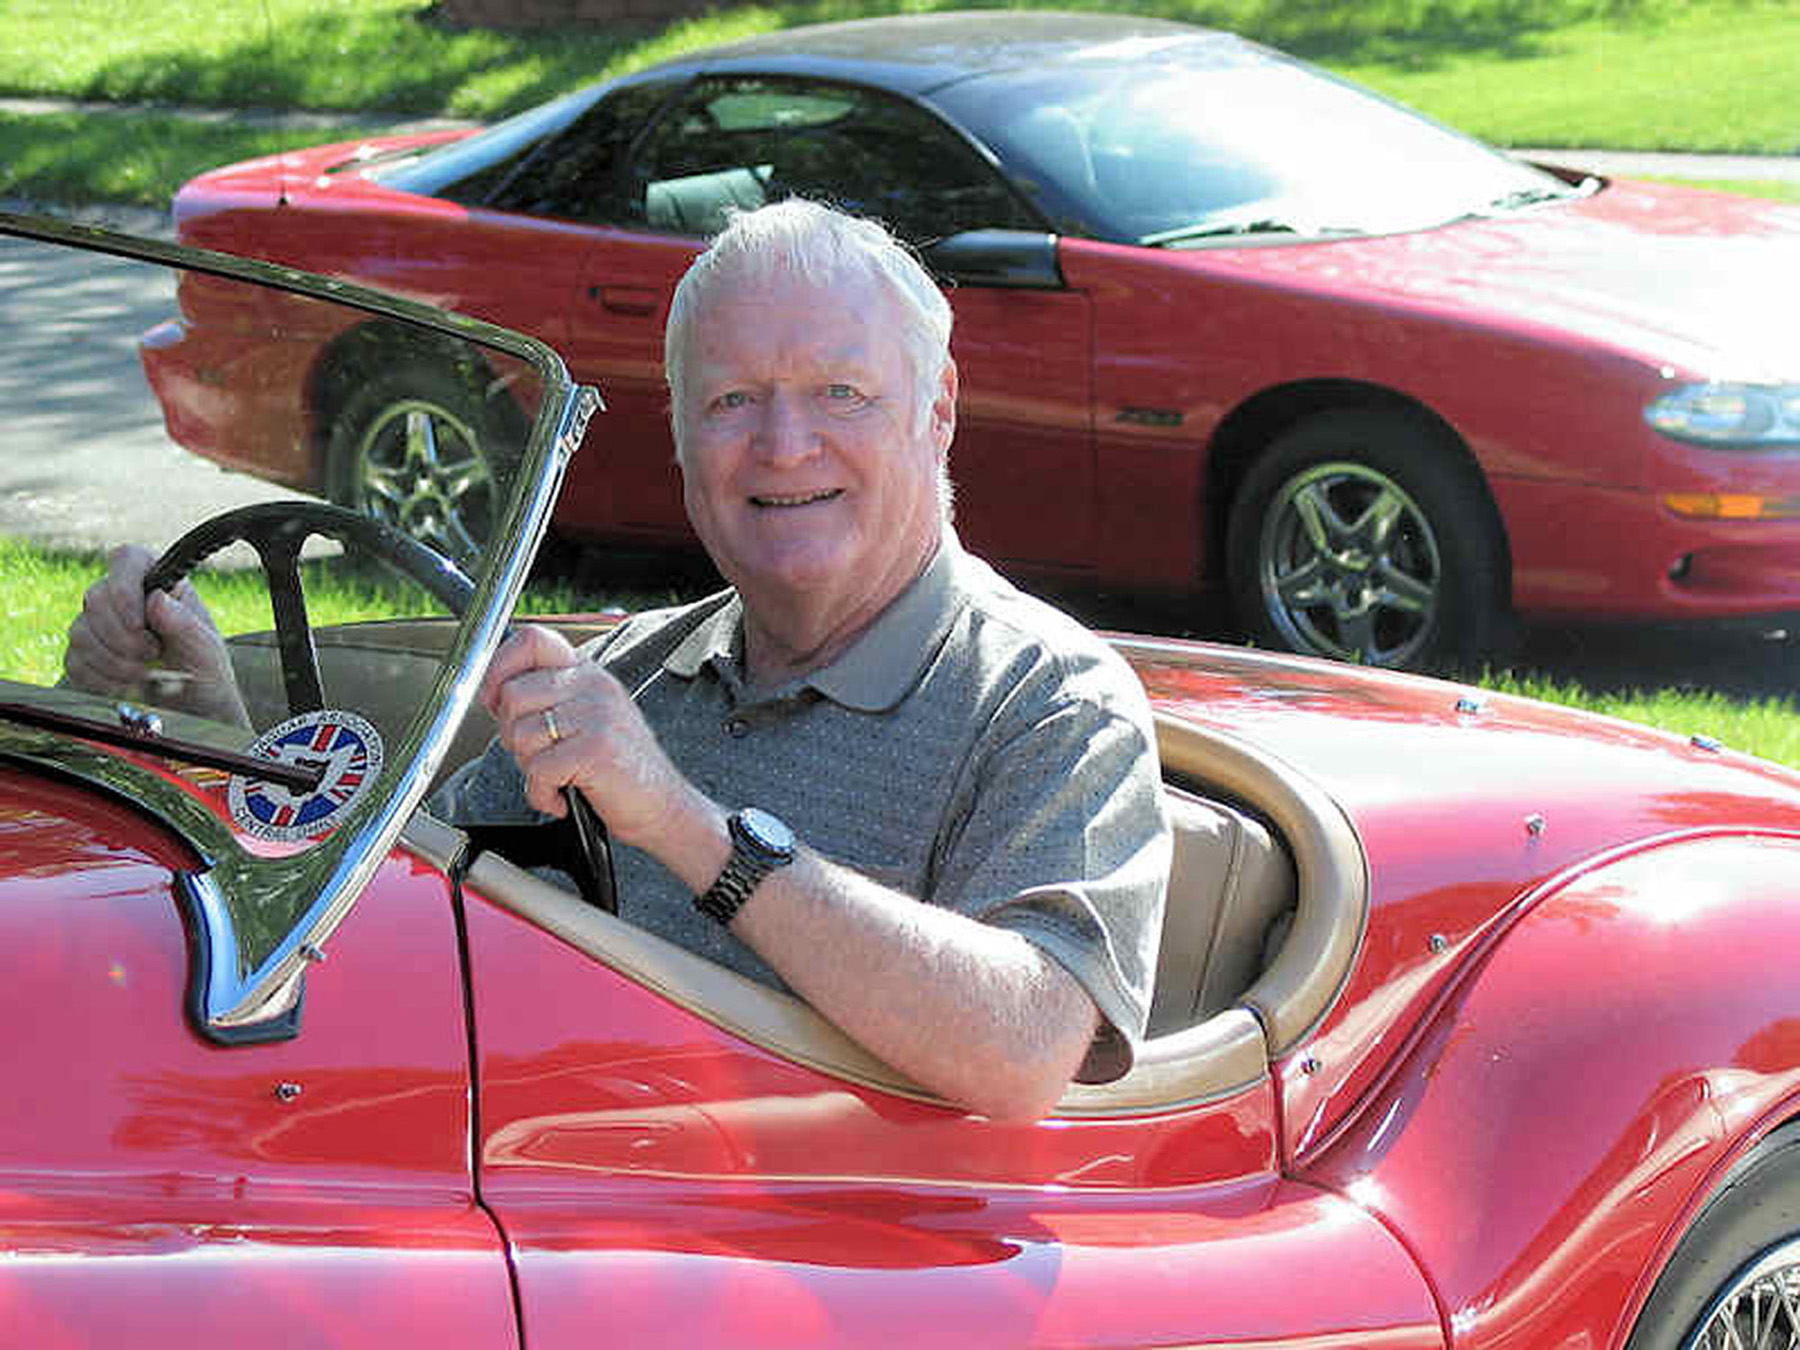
[
  {"x": 1468, "y": 808},
  {"x": 1699, "y": 280}
]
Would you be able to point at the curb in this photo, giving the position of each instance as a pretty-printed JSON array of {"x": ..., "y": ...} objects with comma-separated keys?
[
  {"x": 1667, "y": 164},
  {"x": 295, "y": 118}
]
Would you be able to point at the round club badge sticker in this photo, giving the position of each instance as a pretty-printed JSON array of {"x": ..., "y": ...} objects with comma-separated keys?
[{"x": 342, "y": 746}]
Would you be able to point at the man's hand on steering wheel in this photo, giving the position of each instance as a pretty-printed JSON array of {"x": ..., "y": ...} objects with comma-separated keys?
[
  {"x": 569, "y": 723},
  {"x": 162, "y": 647}
]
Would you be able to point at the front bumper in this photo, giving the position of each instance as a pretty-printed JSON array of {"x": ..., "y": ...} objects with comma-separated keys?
[{"x": 1597, "y": 552}]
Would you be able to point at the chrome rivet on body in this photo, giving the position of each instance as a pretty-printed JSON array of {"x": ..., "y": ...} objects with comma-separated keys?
[
  {"x": 1711, "y": 744},
  {"x": 1535, "y": 824},
  {"x": 287, "y": 1092},
  {"x": 311, "y": 953},
  {"x": 1468, "y": 705},
  {"x": 1439, "y": 942}
]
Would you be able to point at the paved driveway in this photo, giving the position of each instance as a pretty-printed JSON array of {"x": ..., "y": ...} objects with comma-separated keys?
[{"x": 77, "y": 407}]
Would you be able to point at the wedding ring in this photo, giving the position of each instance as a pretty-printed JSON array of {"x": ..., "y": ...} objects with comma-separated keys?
[{"x": 550, "y": 725}]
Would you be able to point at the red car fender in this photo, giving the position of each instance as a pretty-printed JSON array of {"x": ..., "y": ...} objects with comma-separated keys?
[
  {"x": 161, "y": 1190},
  {"x": 1570, "y": 1103}
]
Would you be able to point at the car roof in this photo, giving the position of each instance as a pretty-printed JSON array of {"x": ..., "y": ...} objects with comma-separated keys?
[{"x": 915, "y": 53}]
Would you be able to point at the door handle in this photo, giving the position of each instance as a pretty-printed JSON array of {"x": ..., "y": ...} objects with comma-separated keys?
[{"x": 624, "y": 299}]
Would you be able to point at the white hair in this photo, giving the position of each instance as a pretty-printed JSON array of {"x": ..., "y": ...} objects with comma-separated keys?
[{"x": 801, "y": 238}]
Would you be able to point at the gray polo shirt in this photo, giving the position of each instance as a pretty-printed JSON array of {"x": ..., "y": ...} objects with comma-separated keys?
[{"x": 974, "y": 748}]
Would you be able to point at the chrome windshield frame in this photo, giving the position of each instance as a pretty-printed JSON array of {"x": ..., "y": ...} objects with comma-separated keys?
[{"x": 238, "y": 991}]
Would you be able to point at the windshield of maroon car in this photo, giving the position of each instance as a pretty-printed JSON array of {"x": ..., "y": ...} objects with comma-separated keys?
[{"x": 1169, "y": 140}]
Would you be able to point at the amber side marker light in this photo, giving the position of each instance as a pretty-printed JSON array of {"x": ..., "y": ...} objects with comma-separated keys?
[{"x": 1731, "y": 506}]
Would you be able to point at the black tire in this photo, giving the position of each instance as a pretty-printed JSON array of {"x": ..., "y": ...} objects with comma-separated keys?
[
  {"x": 1738, "y": 1268},
  {"x": 424, "y": 448},
  {"x": 1363, "y": 535}
]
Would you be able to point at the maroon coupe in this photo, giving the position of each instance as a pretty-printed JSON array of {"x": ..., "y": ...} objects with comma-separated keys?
[{"x": 1224, "y": 323}]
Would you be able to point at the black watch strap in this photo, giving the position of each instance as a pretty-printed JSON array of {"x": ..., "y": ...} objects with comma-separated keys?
[{"x": 759, "y": 844}]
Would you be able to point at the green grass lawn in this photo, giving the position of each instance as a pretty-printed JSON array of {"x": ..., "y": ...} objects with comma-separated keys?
[
  {"x": 1747, "y": 187},
  {"x": 1698, "y": 77},
  {"x": 138, "y": 160},
  {"x": 1706, "y": 75},
  {"x": 1626, "y": 74},
  {"x": 45, "y": 587},
  {"x": 1769, "y": 728}
]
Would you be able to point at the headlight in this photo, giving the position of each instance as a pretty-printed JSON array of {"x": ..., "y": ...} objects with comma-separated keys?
[{"x": 1747, "y": 416}]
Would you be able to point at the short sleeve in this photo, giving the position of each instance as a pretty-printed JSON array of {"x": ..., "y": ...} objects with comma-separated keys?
[{"x": 1066, "y": 841}]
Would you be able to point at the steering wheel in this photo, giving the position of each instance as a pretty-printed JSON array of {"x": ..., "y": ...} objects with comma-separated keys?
[{"x": 277, "y": 530}]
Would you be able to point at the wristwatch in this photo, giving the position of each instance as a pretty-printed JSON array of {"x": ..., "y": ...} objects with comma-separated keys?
[{"x": 759, "y": 845}]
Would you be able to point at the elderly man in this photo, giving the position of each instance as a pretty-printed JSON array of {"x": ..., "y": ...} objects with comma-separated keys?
[
  {"x": 870, "y": 770},
  {"x": 926, "y": 732}
]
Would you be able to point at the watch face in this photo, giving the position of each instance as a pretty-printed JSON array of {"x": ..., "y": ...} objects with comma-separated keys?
[{"x": 766, "y": 831}]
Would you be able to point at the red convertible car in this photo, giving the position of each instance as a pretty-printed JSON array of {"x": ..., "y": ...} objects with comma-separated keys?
[
  {"x": 1226, "y": 324},
  {"x": 1500, "y": 1048}
]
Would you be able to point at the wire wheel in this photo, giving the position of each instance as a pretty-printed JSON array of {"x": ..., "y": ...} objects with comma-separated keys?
[
  {"x": 1759, "y": 1310},
  {"x": 1733, "y": 1282}
]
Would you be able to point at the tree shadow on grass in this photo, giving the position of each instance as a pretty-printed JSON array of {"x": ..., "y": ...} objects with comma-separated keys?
[
  {"x": 1414, "y": 33},
  {"x": 376, "y": 63}
]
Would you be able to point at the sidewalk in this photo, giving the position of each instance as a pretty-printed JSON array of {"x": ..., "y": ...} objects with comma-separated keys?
[{"x": 1647, "y": 164}]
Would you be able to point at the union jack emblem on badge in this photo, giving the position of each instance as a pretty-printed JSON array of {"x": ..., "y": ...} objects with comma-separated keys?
[{"x": 345, "y": 747}]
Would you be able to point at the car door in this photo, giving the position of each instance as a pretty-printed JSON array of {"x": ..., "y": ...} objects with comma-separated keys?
[
  {"x": 610, "y": 279},
  {"x": 673, "y": 1164},
  {"x": 1023, "y": 458}
]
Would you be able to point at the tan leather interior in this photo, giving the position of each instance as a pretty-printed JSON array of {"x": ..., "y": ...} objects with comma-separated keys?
[
  {"x": 1231, "y": 894},
  {"x": 1331, "y": 911}
]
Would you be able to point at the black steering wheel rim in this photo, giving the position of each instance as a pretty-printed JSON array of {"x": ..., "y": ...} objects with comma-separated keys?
[{"x": 277, "y": 531}]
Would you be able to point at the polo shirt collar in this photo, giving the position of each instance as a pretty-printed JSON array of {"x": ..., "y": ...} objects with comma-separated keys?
[
  {"x": 717, "y": 639},
  {"x": 877, "y": 670}
]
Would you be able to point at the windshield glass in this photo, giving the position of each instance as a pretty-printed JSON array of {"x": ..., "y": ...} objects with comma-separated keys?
[
  {"x": 1154, "y": 141},
  {"x": 238, "y": 526}
]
